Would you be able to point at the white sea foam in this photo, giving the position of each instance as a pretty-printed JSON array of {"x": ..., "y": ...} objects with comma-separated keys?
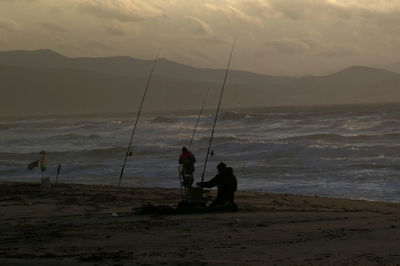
[{"x": 338, "y": 151}]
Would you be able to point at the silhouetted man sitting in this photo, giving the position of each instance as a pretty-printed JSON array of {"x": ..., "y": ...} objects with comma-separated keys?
[{"x": 226, "y": 183}]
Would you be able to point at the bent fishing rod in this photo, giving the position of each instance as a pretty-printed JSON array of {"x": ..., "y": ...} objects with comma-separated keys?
[
  {"x": 128, "y": 151},
  {"x": 198, "y": 118},
  {"x": 216, "y": 115}
]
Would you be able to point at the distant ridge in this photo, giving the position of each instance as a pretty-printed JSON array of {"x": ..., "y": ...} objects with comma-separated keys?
[
  {"x": 361, "y": 71},
  {"x": 119, "y": 65},
  {"x": 37, "y": 58},
  {"x": 394, "y": 67},
  {"x": 43, "y": 81}
]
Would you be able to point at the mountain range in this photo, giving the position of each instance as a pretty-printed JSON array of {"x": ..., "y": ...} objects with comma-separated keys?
[{"x": 45, "y": 82}]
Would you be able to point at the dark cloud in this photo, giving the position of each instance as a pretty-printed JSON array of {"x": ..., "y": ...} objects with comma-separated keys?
[
  {"x": 233, "y": 13},
  {"x": 115, "y": 31},
  {"x": 125, "y": 11},
  {"x": 294, "y": 36},
  {"x": 340, "y": 51},
  {"x": 98, "y": 45},
  {"x": 19, "y": 0},
  {"x": 289, "y": 46},
  {"x": 199, "y": 27},
  {"x": 54, "y": 28},
  {"x": 215, "y": 40},
  {"x": 308, "y": 9},
  {"x": 8, "y": 24}
]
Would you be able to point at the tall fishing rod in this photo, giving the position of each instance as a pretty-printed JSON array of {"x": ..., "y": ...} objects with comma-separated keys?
[
  {"x": 216, "y": 115},
  {"x": 198, "y": 118},
  {"x": 128, "y": 151}
]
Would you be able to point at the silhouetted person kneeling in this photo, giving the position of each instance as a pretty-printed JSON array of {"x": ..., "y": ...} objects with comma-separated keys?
[{"x": 226, "y": 183}]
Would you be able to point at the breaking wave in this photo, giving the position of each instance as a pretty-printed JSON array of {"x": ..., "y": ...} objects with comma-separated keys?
[
  {"x": 341, "y": 138},
  {"x": 164, "y": 119},
  {"x": 330, "y": 151},
  {"x": 231, "y": 115},
  {"x": 6, "y": 126}
]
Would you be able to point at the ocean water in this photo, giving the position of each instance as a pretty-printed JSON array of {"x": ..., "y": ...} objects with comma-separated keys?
[{"x": 349, "y": 151}]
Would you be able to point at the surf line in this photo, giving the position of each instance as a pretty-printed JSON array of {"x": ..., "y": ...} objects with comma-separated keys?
[
  {"x": 128, "y": 151},
  {"x": 216, "y": 114}
]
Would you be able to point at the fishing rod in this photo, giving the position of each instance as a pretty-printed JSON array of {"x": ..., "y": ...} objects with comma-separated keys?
[
  {"x": 191, "y": 140},
  {"x": 58, "y": 171},
  {"x": 216, "y": 115},
  {"x": 198, "y": 118},
  {"x": 128, "y": 151}
]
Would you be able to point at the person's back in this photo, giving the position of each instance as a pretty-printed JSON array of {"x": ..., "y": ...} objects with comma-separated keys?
[{"x": 226, "y": 182}]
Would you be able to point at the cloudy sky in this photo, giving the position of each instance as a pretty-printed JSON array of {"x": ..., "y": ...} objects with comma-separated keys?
[{"x": 285, "y": 37}]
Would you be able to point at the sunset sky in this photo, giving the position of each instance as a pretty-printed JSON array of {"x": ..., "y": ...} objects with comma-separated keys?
[{"x": 284, "y": 37}]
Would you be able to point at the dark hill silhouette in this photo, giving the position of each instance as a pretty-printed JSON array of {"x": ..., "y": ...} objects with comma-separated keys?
[
  {"x": 393, "y": 67},
  {"x": 120, "y": 65},
  {"x": 43, "y": 81},
  {"x": 363, "y": 74},
  {"x": 35, "y": 59}
]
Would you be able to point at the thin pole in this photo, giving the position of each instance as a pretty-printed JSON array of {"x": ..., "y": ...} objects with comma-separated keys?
[
  {"x": 198, "y": 118},
  {"x": 137, "y": 118},
  {"x": 58, "y": 171},
  {"x": 180, "y": 181},
  {"x": 216, "y": 115}
]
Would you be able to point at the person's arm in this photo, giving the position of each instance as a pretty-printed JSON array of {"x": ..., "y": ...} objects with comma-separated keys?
[
  {"x": 180, "y": 159},
  {"x": 209, "y": 184}
]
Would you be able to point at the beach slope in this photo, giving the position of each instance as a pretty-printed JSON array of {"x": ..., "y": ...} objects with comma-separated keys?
[{"x": 71, "y": 224}]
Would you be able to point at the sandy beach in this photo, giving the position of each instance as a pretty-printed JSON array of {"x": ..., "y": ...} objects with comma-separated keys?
[{"x": 71, "y": 224}]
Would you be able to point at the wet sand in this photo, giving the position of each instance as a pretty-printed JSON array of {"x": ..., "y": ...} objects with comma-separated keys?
[{"x": 71, "y": 224}]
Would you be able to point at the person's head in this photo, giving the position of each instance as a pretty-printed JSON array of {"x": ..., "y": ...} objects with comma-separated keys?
[
  {"x": 221, "y": 167},
  {"x": 184, "y": 149}
]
